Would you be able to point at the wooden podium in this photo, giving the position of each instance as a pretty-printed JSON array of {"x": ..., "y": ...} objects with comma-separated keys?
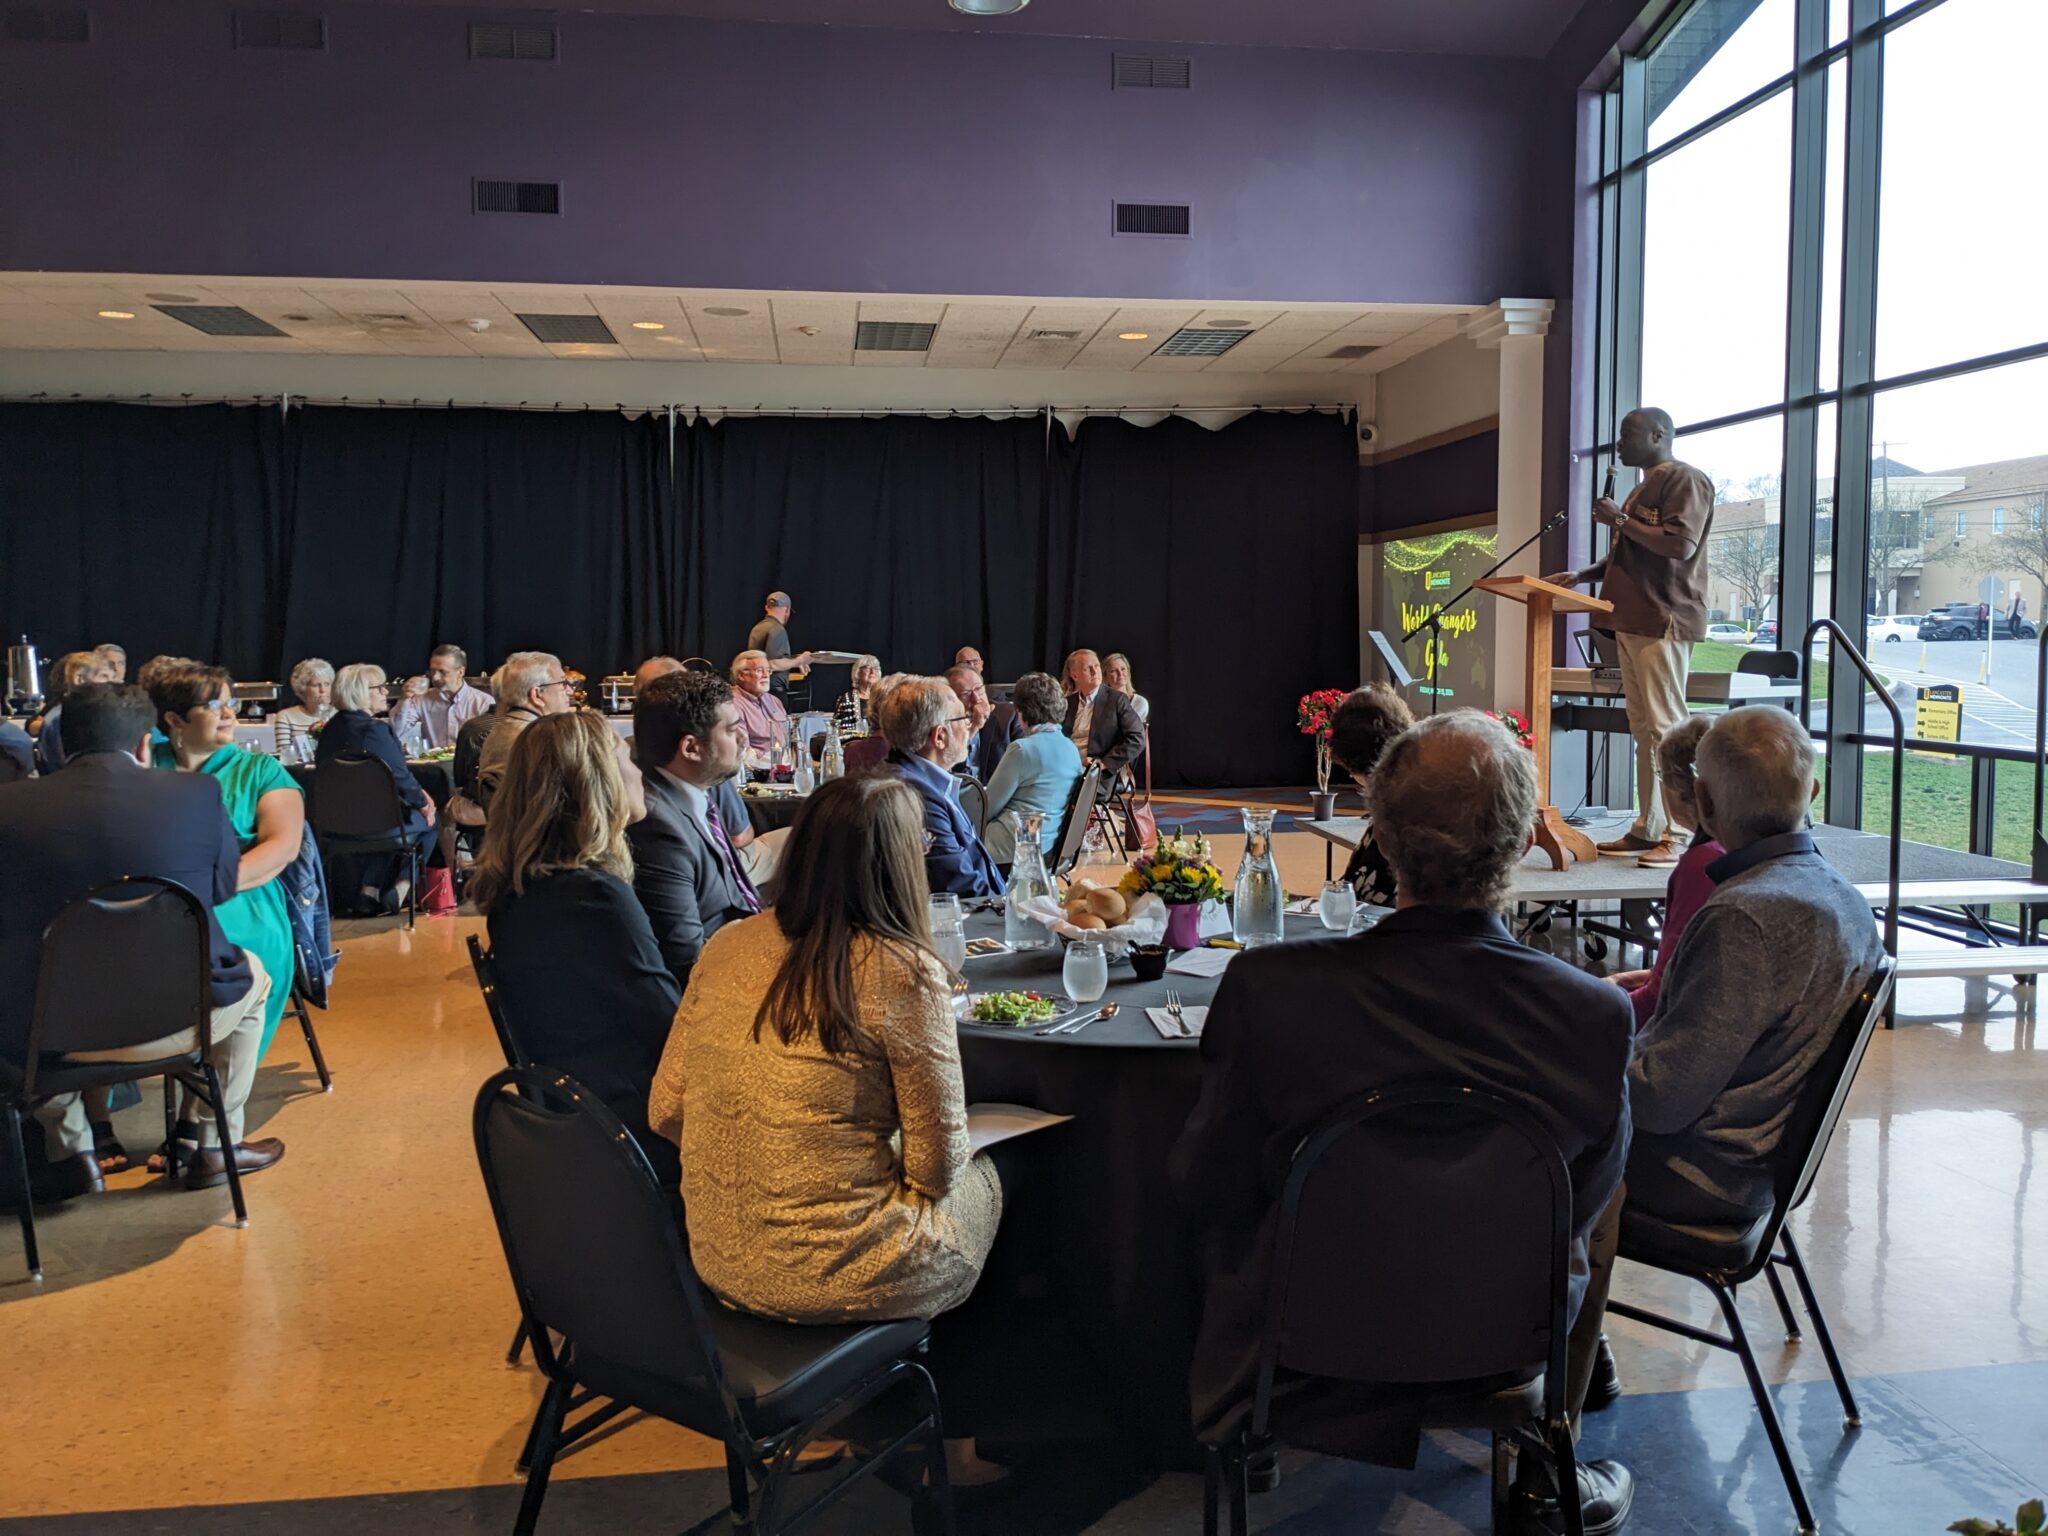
[{"x": 1557, "y": 840}]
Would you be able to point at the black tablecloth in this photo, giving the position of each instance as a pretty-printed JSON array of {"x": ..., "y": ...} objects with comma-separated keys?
[
  {"x": 1120, "y": 1262},
  {"x": 768, "y": 812}
]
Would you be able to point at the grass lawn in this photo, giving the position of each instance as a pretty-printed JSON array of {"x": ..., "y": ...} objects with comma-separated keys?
[{"x": 1721, "y": 656}]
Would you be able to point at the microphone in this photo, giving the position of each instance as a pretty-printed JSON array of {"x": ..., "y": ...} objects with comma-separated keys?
[{"x": 1607, "y": 490}]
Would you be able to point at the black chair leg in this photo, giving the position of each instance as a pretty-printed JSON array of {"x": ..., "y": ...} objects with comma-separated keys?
[
  {"x": 17, "y": 1155},
  {"x": 312, "y": 1041},
  {"x": 1503, "y": 1480},
  {"x": 518, "y": 1346},
  {"x": 412, "y": 890},
  {"x": 171, "y": 1088},
  {"x": 1240, "y": 1491},
  {"x": 1212, "y": 1489},
  {"x": 1852, "y": 1416},
  {"x": 548, "y": 1426},
  {"x": 228, "y": 1148},
  {"x": 1566, "y": 1462},
  {"x": 1772, "y": 1428},
  {"x": 739, "y": 1491},
  {"x": 1784, "y": 1304}
]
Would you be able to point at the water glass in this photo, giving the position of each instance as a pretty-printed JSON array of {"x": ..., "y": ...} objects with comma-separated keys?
[
  {"x": 1338, "y": 903},
  {"x": 1085, "y": 973},
  {"x": 949, "y": 937}
]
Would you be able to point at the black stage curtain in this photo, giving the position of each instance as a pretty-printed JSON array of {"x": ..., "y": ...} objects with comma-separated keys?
[
  {"x": 498, "y": 531},
  {"x": 158, "y": 528}
]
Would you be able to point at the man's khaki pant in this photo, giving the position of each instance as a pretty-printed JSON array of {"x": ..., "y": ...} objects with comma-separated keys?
[
  {"x": 237, "y": 1032},
  {"x": 1653, "y": 687}
]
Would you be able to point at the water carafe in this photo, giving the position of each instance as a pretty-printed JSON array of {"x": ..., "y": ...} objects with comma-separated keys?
[
  {"x": 1257, "y": 905},
  {"x": 833, "y": 764},
  {"x": 24, "y": 678},
  {"x": 1027, "y": 879}
]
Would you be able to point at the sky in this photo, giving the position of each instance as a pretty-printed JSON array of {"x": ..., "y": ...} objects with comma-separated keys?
[{"x": 1963, "y": 238}]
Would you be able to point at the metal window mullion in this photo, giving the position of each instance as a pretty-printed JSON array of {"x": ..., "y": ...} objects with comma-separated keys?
[
  {"x": 1629, "y": 216},
  {"x": 1863, "y": 149},
  {"x": 1799, "y": 489}
]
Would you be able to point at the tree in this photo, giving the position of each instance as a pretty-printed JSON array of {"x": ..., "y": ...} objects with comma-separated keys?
[
  {"x": 1748, "y": 558},
  {"x": 2022, "y": 548}
]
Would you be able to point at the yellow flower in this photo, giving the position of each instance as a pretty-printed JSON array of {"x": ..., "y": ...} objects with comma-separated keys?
[
  {"x": 1162, "y": 871},
  {"x": 1132, "y": 884}
]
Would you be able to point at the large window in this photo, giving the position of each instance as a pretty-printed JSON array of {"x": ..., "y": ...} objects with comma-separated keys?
[{"x": 1821, "y": 220}]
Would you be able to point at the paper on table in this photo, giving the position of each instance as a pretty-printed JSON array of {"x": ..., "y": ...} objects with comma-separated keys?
[
  {"x": 1192, "y": 1020},
  {"x": 1201, "y": 962},
  {"x": 988, "y": 1124}
]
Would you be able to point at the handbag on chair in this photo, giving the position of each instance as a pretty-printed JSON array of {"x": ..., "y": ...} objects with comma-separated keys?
[{"x": 1141, "y": 827}]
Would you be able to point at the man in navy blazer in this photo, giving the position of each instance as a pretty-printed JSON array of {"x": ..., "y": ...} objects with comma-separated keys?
[
  {"x": 687, "y": 739},
  {"x": 926, "y": 726},
  {"x": 990, "y": 730},
  {"x": 108, "y": 815},
  {"x": 1439, "y": 992}
]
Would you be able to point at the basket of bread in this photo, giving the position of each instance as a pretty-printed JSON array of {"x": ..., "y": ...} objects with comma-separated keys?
[{"x": 1092, "y": 910}]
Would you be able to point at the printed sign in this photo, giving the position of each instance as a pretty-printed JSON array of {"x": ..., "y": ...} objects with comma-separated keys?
[{"x": 1938, "y": 714}]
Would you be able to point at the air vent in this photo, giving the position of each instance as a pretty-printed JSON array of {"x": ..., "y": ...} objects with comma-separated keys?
[
  {"x": 516, "y": 196},
  {"x": 892, "y": 336},
  {"x": 280, "y": 29},
  {"x": 1054, "y": 336},
  {"x": 569, "y": 328},
  {"x": 493, "y": 40},
  {"x": 219, "y": 319},
  {"x": 1144, "y": 72},
  {"x": 1170, "y": 219},
  {"x": 1351, "y": 354},
  {"x": 46, "y": 24},
  {"x": 1199, "y": 341}
]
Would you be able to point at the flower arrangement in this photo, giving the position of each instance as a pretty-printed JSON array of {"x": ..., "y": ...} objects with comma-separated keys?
[
  {"x": 1517, "y": 723},
  {"x": 1179, "y": 871},
  {"x": 1314, "y": 716}
]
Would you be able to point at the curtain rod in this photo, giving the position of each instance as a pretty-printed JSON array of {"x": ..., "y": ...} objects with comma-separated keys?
[{"x": 364, "y": 402}]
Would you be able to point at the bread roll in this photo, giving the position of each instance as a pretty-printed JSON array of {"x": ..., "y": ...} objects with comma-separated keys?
[
  {"x": 1110, "y": 906},
  {"x": 1087, "y": 920}
]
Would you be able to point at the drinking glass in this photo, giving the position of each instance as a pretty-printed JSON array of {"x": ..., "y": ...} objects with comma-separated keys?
[
  {"x": 949, "y": 937},
  {"x": 1085, "y": 973},
  {"x": 1339, "y": 902}
]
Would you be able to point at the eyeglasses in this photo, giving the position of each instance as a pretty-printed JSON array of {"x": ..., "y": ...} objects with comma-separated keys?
[
  {"x": 959, "y": 719},
  {"x": 560, "y": 682},
  {"x": 220, "y": 706}
]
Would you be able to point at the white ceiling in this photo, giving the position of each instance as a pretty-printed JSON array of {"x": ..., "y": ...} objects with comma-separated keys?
[{"x": 61, "y": 312}]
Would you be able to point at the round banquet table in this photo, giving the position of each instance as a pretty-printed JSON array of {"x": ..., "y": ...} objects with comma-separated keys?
[
  {"x": 436, "y": 777},
  {"x": 767, "y": 813},
  {"x": 1100, "y": 1217}
]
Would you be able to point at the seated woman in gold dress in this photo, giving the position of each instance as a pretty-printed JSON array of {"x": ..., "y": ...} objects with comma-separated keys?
[{"x": 812, "y": 1080}]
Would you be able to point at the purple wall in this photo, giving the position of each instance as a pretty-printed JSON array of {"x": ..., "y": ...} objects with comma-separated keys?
[
  {"x": 733, "y": 154},
  {"x": 1451, "y": 480}
]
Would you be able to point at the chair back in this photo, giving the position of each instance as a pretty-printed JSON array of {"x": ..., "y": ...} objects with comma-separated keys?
[
  {"x": 355, "y": 799},
  {"x": 1781, "y": 665},
  {"x": 1424, "y": 1235},
  {"x": 494, "y": 1004},
  {"x": 128, "y": 962},
  {"x": 973, "y": 800},
  {"x": 700, "y": 664},
  {"x": 1822, "y": 1097},
  {"x": 592, "y": 1240},
  {"x": 865, "y": 752},
  {"x": 1074, "y": 824}
]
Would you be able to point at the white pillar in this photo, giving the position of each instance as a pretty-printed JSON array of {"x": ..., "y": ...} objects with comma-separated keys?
[{"x": 1516, "y": 327}]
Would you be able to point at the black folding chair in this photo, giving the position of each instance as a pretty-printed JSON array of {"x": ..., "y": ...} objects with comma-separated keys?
[
  {"x": 127, "y": 963},
  {"x": 1423, "y": 1245},
  {"x": 598, "y": 1260},
  {"x": 487, "y": 984},
  {"x": 357, "y": 810},
  {"x": 700, "y": 664},
  {"x": 1074, "y": 823},
  {"x": 300, "y": 996},
  {"x": 974, "y": 801},
  {"x": 1724, "y": 1258}
]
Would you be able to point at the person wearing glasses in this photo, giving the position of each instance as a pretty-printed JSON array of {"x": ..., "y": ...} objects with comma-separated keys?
[
  {"x": 990, "y": 730},
  {"x": 530, "y": 684},
  {"x": 361, "y": 692},
  {"x": 927, "y": 728},
  {"x": 435, "y": 706},
  {"x": 764, "y": 715}
]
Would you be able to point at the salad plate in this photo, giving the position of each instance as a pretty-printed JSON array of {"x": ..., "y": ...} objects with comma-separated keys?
[{"x": 1013, "y": 1010}]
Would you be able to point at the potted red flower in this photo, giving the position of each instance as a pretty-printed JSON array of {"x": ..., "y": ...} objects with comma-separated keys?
[{"x": 1314, "y": 716}]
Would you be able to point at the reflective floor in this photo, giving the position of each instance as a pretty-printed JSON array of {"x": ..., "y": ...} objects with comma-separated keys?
[{"x": 338, "y": 1365}]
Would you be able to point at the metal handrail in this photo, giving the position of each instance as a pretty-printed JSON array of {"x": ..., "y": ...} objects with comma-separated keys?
[{"x": 1841, "y": 640}]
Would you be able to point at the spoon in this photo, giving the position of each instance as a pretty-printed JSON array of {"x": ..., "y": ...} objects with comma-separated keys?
[{"x": 1107, "y": 1011}]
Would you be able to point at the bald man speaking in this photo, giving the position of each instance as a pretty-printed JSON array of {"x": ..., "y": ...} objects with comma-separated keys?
[{"x": 1655, "y": 575}]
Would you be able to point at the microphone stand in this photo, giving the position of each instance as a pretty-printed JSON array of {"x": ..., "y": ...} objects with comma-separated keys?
[{"x": 1435, "y": 622}]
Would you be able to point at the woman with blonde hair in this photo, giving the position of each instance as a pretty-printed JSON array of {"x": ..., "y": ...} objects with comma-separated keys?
[
  {"x": 1116, "y": 673},
  {"x": 73, "y": 670},
  {"x": 580, "y": 977}
]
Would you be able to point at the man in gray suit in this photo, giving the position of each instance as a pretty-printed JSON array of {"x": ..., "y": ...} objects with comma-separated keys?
[{"x": 687, "y": 739}]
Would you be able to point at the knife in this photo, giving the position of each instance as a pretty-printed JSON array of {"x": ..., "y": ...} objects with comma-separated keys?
[{"x": 1106, "y": 1011}]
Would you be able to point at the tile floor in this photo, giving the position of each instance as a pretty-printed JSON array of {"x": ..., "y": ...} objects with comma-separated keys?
[{"x": 338, "y": 1365}]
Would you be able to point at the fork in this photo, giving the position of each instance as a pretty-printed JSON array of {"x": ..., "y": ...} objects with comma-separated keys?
[{"x": 1173, "y": 1012}]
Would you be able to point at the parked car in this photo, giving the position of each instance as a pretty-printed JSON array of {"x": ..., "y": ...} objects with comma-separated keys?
[
  {"x": 1959, "y": 621},
  {"x": 1733, "y": 634},
  {"x": 1766, "y": 633},
  {"x": 1893, "y": 628}
]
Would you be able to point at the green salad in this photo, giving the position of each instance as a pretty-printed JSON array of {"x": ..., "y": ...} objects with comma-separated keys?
[{"x": 1013, "y": 1007}]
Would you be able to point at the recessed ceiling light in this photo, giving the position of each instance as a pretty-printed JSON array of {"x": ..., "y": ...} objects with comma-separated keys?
[
  {"x": 117, "y": 314},
  {"x": 727, "y": 311},
  {"x": 649, "y": 325},
  {"x": 1228, "y": 325},
  {"x": 677, "y": 339},
  {"x": 988, "y": 7},
  {"x": 1133, "y": 335}
]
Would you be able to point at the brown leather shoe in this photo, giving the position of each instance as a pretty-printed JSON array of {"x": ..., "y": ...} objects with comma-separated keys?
[
  {"x": 1627, "y": 846},
  {"x": 208, "y": 1167},
  {"x": 65, "y": 1179},
  {"x": 1664, "y": 856}
]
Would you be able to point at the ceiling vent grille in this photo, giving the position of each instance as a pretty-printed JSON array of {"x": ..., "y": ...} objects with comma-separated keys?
[
  {"x": 567, "y": 329},
  {"x": 892, "y": 336},
  {"x": 1199, "y": 341},
  {"x": 515, "y": 196},
  {"x": 1352, "y": 353},
  {"x": 1167, "y": 219},
  {"x": 1145, "y": 72},
  {"x": 280, "y": 29},
  {"x": 1054, "y": 336},
  {"x": 524, "y": 45},
  {"x": 219, "y": 319},
  {"x": 46, "y": 24}
]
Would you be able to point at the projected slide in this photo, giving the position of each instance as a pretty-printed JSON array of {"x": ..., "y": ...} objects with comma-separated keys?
[{"x": 1417, "y": 577}]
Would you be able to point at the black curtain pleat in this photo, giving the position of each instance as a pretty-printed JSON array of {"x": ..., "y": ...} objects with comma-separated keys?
[
  {"x": 160, "y": 529},
  {"x": 1223, "y": 562},
  {"x": 494, "y": 530}
]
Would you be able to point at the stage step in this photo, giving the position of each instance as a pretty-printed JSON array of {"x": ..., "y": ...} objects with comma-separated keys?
[
  {"x": 1955, "y": 960},
  {"x": 1955, "y": 893}
]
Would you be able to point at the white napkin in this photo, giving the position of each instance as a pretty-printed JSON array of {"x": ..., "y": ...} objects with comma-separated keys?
[
  {"x": 1194, "y": 1017},
  {"x": 1201, "y": 962}
]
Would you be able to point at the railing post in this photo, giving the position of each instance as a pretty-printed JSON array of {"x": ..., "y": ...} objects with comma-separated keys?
[{"x": 1983, "y": 804}]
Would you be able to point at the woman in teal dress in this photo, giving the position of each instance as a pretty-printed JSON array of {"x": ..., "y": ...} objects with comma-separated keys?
[{"x": 195, "y": 708}]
